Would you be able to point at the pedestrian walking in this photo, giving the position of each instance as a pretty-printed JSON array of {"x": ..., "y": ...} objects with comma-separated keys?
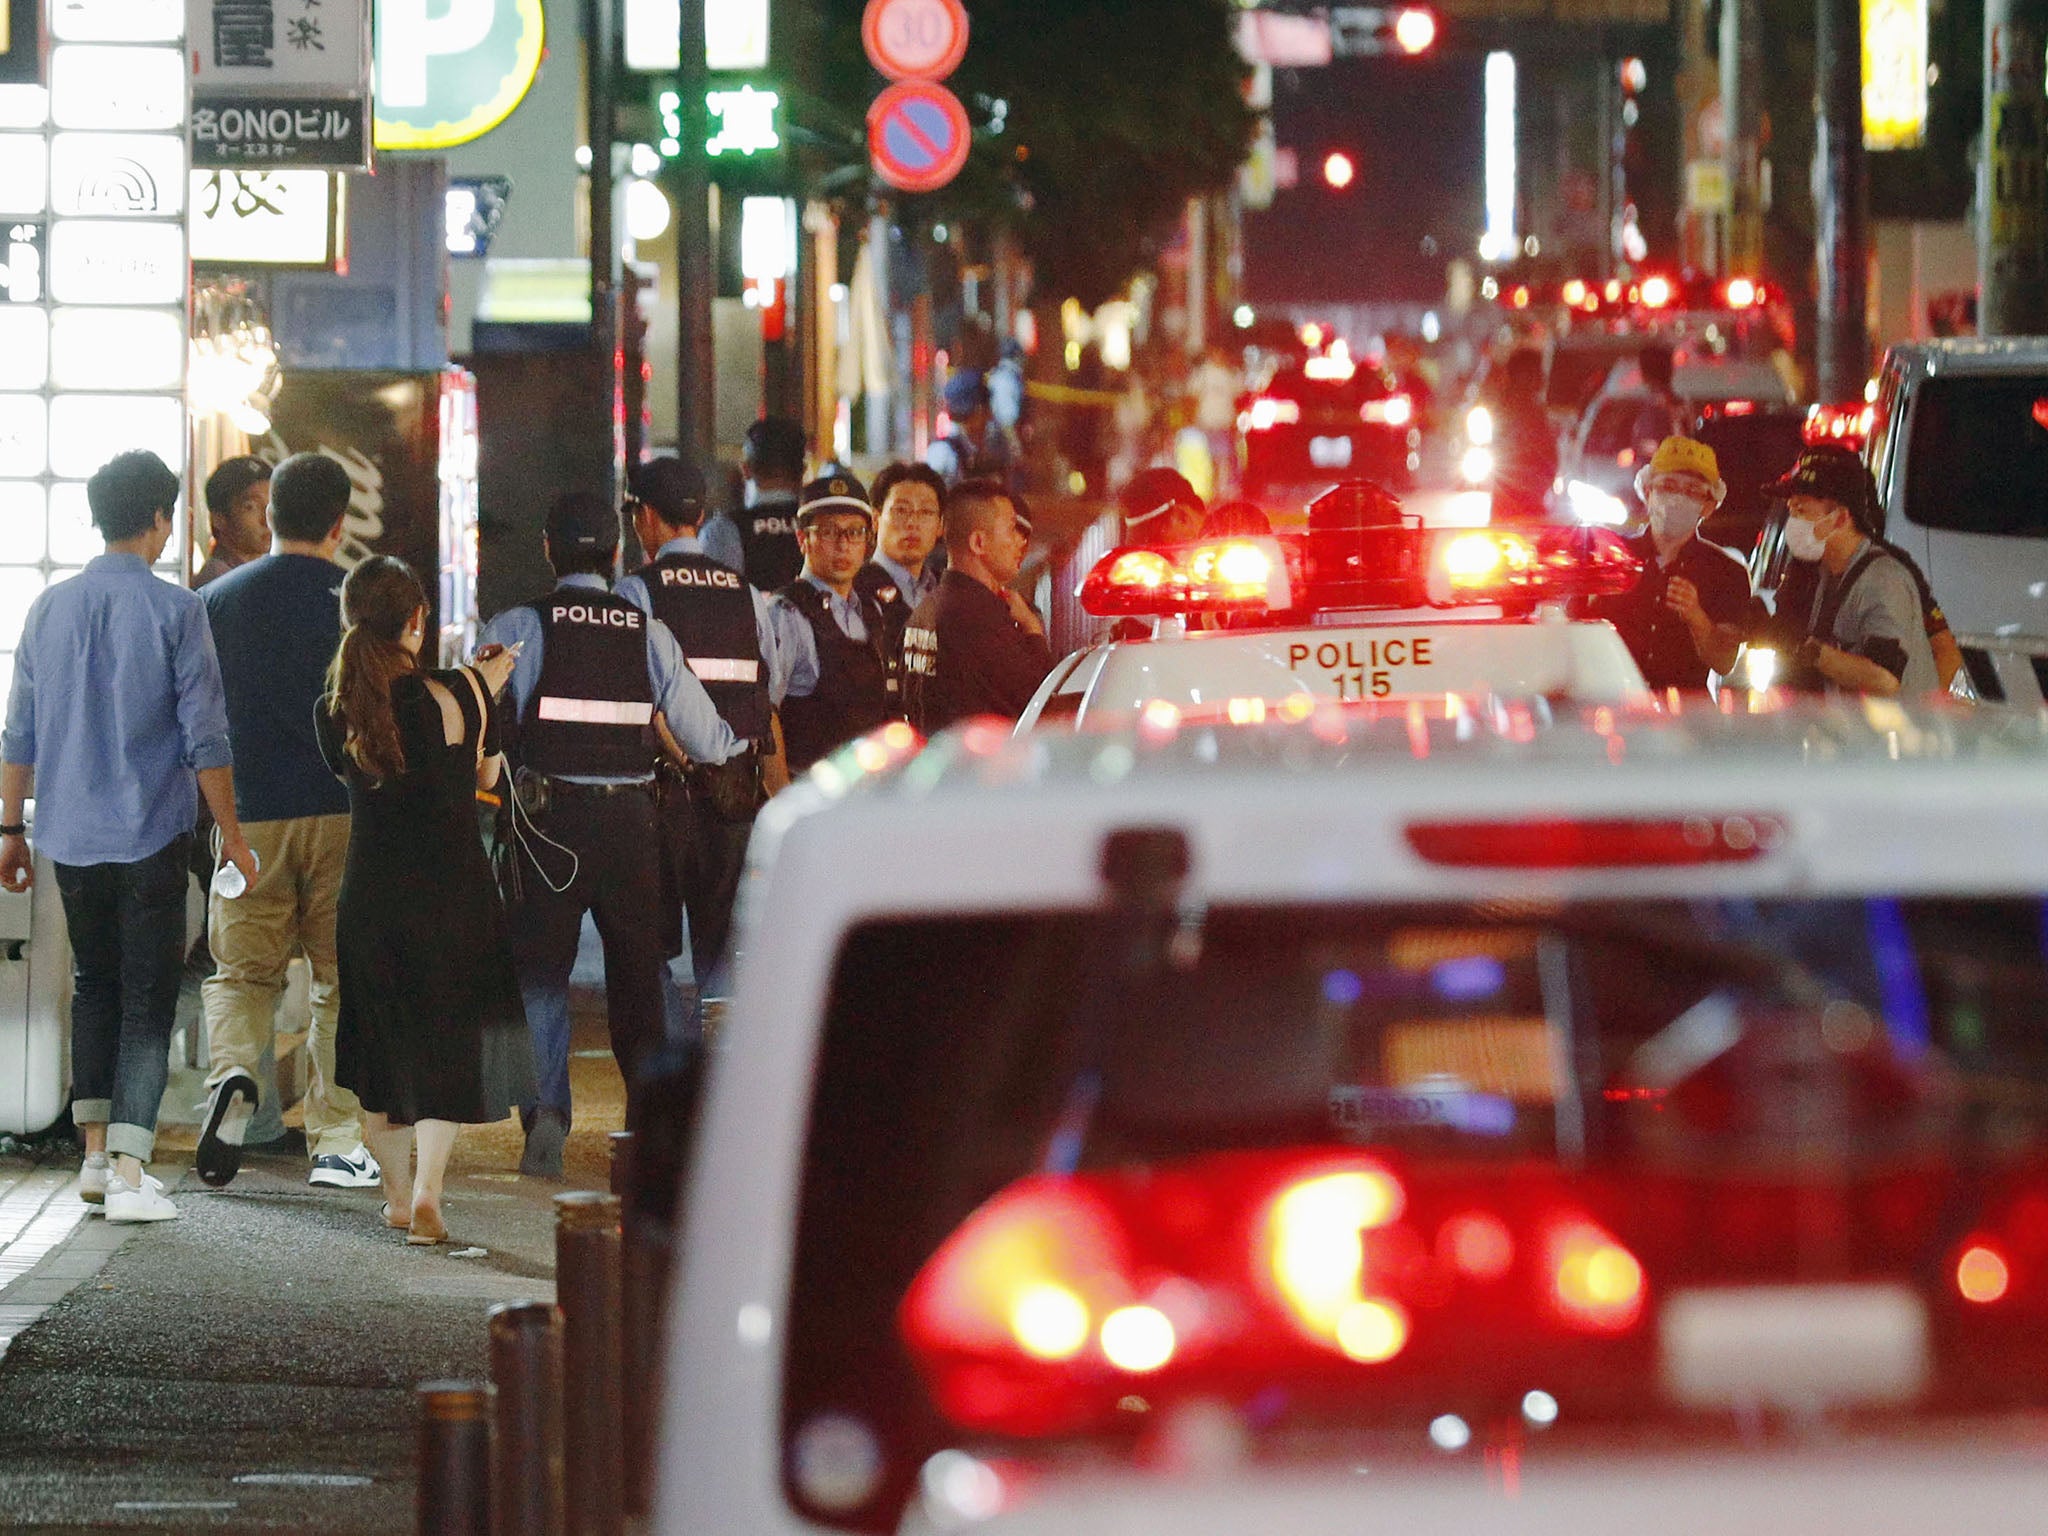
[
  {"x": 858, "y": 687},
  {"x": 116, "y": 724},
  {"x": 974, "y": 647},
  {"x": 1689, "y": 587},
  {"x": 594, "y": 675},
  {"x": 759, "y": 539},
  {"x": 910, "y": 510},
  {"x": 749, "y": 653},
  {"x": 431, "y": 1035},
  {"x": 237, "y": 501},
  {"x": 276, "y": 626}
]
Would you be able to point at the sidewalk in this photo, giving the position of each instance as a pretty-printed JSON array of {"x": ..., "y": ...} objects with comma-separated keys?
[{"x": 250, "y": 1366}]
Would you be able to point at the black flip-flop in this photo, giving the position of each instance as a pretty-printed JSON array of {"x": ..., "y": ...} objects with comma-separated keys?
[{"x": 219, "y": 1157}]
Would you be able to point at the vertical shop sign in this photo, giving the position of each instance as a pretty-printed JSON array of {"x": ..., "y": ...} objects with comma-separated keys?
[{"x": 280, "y": 81}]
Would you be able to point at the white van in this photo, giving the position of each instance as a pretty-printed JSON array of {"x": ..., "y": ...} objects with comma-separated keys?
[{"x": 1959, "y": 446}]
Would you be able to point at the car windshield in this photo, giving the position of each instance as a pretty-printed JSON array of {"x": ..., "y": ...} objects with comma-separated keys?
[
  {"x": 1578, "y": 372},
  {"x": 1614, "y": 425},
  {"x": 1978, "y": 456},
  {"x": 1339, "y": 1172}
]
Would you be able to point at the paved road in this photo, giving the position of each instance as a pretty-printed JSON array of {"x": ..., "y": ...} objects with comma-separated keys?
[{"x": 250, "y": 1366}]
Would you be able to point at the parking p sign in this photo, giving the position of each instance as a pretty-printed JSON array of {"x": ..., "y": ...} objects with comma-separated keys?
[{"x": 447, "y": 74}]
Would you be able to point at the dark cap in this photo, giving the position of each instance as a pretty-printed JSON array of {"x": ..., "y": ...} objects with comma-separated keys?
[
  {"x": 775, "y": 444},
  {"x": 582, "y": 521},
  {"x": 234, "y": 476},
  {"x": 1151, "y": 491},
  {"x": 966, "y": 392},
  {"x": 675, "y": 489},
  {"x": 1831, "y": 472},
  {"x": 834, "y": 493}
]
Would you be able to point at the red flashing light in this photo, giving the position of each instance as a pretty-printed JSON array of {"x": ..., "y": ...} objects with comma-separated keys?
[
  {"x": 2041, "y": 414},
  {"x": 1226, "y": 575},
  {"x": 1339, "y": 170},
  {"x": 1493, "y": 565},
  {"x": 1595, "y": 844},
  {"x": 1657, "y": 292},
  {"x": 1393, "y": 411},
  {"x": 1982, "y": 1274},
  {"x": 1415, "y": 30},
  {"x": 1848, "y": 424},
  {"x": 1743, "y": 293},
  {"x": 1520, "y": 297},
  {"x": 1265, "y": 413},
  {"x": 1598, "y": 1284},
  {"x": 1738, "y": 408}
]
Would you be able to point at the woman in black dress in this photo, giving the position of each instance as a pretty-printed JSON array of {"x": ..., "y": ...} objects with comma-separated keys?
[{"x": 432, "y": 1033}]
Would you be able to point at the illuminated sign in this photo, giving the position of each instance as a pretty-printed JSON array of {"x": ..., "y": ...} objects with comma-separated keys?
[
  {"x": 116, "y": 349},
  {"x": 103, "y": 174},
  {"x": 269, "y": 218},
  {"x": 747, "y": 122},
  {"x": 22, "y": 262},
  {"x": 232, "y": 130},
  {"x": 99, "y": 87},
  {"x": 735, "y": 35},
  {"x": 95, "y": 261},
  {"x": 452, "y": 76},
  {"x": 136, "y": 21},
  {"x": 82, "y": 426},
  {"x": 24, "y": 346},
  {"x": 24, "y": 435},
  {"x": 1894, "y": 74},
  {"x": 24, "y": 174},
  {"x": 281, "y": 82}
]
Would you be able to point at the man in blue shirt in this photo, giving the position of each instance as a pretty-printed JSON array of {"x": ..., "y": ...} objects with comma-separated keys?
[
  {"x": 277, "y": 624},
  {"x": 595, "y": 682},
  {"x": 910, "y": 514},
  {"x": 116, "y": 708}
]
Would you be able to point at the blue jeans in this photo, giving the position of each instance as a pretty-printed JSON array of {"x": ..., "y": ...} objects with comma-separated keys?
[{"x": 127, "y": 924}]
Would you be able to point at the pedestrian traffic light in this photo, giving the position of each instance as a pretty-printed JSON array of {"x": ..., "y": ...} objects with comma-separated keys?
[{"x": 1339, "y": 170}]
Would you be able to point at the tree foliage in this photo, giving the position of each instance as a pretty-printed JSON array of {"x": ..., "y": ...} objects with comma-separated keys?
[{"x": 1113, "y": 113}]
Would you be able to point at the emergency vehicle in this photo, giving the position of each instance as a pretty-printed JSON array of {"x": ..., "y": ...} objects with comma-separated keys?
[
  {"x": 1410, "y": 1117},
  {"x": 1367, "y": 604}
]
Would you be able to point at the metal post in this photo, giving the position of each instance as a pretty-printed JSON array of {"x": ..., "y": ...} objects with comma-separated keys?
[
  {"x": 622, "y": 1162},
  {"x": 881, "y": 409},
  {"x": 526, "y": 1374},
  {"x": 2012, "y": 230},
  {"x": 598, "y": 60},
  {"x": 1842, "y": 196},
  {"x": 696, "y": 353},
  {"x": 1742, "y": 88},
  {"x": 587, "y": 1281},
  {"x": 454, "y": 1459}
]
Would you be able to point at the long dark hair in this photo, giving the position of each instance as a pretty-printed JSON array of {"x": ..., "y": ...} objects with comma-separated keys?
[{"x": 377, "y": 603}]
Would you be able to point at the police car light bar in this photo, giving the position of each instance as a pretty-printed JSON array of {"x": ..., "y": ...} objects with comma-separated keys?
[
  {"x": 1491, "y": 565},
  {"x": 1219, "y": 576}
]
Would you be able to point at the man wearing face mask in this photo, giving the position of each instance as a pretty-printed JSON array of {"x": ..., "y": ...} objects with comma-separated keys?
[
  {"x": 1689, "y": 587},
  {"x": 1864, "y": 630}
]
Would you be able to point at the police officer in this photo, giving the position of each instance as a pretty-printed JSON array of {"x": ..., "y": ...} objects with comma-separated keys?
[
  {"x": 976, "y": 448},
  {"x": 1160, "y": 509},
  {"x": 593, "y": 678},
  {"x": 974, "y": 647},
  {"x": 759, "y": 539},
  {"x": 748, "y": 655},
  {"x": 858, "y": 687},
  {"x": 910, "y": 512}
]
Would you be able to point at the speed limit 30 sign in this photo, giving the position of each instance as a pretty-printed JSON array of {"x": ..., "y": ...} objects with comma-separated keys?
[{"x": 915, "y": 39}]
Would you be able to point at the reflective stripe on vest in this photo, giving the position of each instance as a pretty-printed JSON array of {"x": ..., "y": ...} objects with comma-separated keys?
[
  {"x": 595, "y": 712},
  {"x": 712, "y": 669}
]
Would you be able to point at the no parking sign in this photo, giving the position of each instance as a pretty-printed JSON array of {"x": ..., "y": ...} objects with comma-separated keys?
[{"x": 918, "y": 136}]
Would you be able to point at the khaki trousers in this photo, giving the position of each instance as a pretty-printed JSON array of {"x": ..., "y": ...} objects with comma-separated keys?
[{"x": 289, "y": 911}]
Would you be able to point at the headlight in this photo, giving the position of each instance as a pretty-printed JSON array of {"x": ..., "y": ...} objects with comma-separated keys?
[
  {"x": 1477, "y": 466},
  {"x": 1759, "y": 667},
  {"x": 1479, "y": 427},
  {"x": 1593, "y": 506}
]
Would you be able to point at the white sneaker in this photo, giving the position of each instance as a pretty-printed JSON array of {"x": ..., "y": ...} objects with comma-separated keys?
[
  {"x": 148, "y": 1202},
  {"x": 92, "y": 1179},
  {"x": 356, "y": 1170}
]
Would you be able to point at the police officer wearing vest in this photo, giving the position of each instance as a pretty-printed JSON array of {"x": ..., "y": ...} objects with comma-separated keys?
[
  {"x": 594, "y": 681},
  {"x": 749, "y": 653},
  {"x": 858, "y": 685},
  {"x": 759, "y": 539}
]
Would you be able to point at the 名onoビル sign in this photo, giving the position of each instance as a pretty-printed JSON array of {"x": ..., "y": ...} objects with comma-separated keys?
[
  {"x": 253, "y": 60},
  {"x": 915, "y": 39},
  {"x": 918, "y": 136},
  {"x": 447, "y": 74},
  {"x": 230, "y": 130}
]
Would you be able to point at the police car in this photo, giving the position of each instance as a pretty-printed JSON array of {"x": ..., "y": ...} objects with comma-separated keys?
[
  {"x": 1498, "y": 1118},
  {"x": 1368, "y": 604}
]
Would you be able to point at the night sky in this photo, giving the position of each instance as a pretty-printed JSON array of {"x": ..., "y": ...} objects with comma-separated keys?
[{"x": 1414, "y": 129}]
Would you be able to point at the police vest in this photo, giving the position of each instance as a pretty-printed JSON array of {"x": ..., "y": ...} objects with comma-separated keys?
[
  {"x": 879, "y": 586},
  {"x": 768, "y": 543},
  {"x": 709, "y": 608},
  {"x": 920, "y": 662},
  {"x": 857, "y": 683},
  {"x": 592, "y": 712}
]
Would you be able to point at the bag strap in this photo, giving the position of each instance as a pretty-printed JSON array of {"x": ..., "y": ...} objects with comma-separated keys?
[{"x": 483, "y": 709}]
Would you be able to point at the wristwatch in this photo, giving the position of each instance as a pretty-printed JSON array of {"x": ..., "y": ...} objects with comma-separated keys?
[{"x": 15, "y": 829}]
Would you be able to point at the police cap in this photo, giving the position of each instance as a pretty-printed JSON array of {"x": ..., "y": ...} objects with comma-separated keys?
[
  {"x": 582, "y": 521},
  {"x": 673, "y": 488},
  {"x": 833, "y": 493}
]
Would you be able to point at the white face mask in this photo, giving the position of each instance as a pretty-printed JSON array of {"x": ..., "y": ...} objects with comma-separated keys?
[
  {"x": 1674, "y": 518},
  {"x": 1803, "y": 539}
]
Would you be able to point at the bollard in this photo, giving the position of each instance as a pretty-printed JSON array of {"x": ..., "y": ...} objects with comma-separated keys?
[
  {"x": 588, "y": 1285},
  {"x": 644, "y": 1282},
  {"x": 622, "y": 1163},
  {"x": 526, "y": 1450},
  {"x": 454, "y": 1459}
]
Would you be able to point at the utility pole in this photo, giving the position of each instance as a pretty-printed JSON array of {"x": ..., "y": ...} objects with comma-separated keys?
[
  {"x": 1742, "y": 93},
  {"x": 1842, "y": 203},
  {"x": 2012, "y": 196},
  {"x": 600, "y": 58},
  {"x": 696, "y": 359}
]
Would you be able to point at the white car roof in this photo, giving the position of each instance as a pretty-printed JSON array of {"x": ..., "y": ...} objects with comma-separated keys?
[{"x": 1973, "y": 354}]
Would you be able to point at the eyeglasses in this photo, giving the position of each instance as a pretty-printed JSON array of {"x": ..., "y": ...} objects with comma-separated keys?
[{"x": 838, "y": 535}]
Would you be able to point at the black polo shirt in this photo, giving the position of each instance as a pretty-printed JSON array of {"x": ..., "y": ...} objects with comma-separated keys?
[{"x": 1657, "y": 637}]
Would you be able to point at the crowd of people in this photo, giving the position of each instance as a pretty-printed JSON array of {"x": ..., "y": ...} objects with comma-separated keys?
[{"x": 429, "y": 840}]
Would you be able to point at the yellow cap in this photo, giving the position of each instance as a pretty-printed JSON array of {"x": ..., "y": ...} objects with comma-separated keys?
[{"x": 1683, "y": 456}]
